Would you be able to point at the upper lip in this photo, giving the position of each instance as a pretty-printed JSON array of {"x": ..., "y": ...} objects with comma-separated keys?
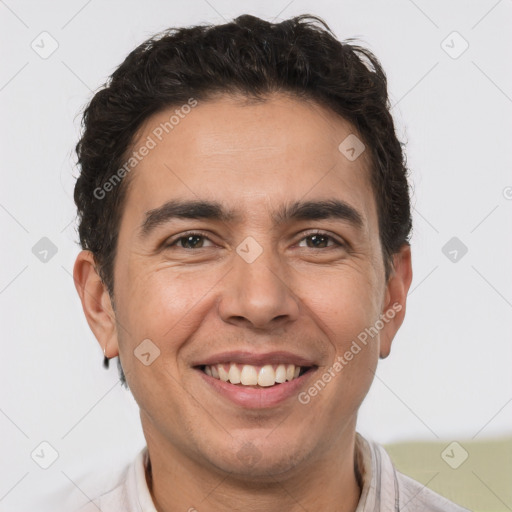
[{"x": 245, "y": 357}]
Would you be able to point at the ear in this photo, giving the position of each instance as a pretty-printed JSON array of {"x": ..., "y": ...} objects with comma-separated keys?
[
  {"x": 96, "y": 303},
  {"x": 397, "y": 288}
]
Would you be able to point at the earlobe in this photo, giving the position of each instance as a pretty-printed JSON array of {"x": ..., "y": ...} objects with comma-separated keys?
[
  {"x": 96, "y": 303},
  {"x": 397, "y": 289}
]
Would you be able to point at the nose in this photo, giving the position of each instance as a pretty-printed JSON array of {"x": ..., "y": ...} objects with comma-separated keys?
[{"x": 258, "y": 295}]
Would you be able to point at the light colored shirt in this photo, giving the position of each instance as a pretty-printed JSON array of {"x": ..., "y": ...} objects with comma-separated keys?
[{"x": 384, "y": 488}]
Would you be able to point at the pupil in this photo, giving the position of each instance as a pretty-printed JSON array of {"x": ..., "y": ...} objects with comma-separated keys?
[
  {"x": 318, "y": 238},
  {"x": 189, "y": 240}
]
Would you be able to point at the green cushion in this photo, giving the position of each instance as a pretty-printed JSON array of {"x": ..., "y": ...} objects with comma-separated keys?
[{"x": 482, "y": 482}]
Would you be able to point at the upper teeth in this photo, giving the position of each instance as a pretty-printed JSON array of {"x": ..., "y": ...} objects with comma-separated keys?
[{"x": 250, "y": 375}]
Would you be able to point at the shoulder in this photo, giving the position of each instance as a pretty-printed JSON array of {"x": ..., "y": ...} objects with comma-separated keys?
[
  {"x": 386, "y": 489},
  {"x": 112, "y": 500},
  {"x": 416, "y": 497},
  {"x": 122, "y": 493}
]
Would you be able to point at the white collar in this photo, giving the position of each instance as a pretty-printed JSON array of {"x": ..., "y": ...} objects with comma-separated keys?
[{"x": 136, "y": 482}]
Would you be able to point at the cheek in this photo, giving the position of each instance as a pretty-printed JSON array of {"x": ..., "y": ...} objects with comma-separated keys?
[
  {"x": 165, "y": 305},
  {"x": 344, "y": 303},
  {"x": 346, "y": 311}
]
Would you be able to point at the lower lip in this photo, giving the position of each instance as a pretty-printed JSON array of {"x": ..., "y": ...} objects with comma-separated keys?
[{"x": 258, "y": 398}]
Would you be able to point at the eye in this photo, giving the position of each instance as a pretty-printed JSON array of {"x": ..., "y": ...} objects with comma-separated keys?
[
  {"x": 197, "y": 240},
  {"x": 192, "y": 240},
  {"x": 320, "y": 240}
]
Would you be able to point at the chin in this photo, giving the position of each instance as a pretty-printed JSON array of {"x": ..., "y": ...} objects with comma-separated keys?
[{"x": 259, "y": 460}]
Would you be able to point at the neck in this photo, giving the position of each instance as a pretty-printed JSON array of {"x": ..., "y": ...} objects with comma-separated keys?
[{"x": 332, "y": 483}]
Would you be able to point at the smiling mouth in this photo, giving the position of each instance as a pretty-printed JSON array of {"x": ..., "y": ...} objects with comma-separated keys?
[{"x": 255, "y": 376}]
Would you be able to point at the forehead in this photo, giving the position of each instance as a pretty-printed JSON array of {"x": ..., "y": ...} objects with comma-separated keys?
[{"x": 244, "y": 154}]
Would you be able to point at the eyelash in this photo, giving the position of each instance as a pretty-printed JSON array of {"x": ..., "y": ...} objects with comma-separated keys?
[{"x": 174, "y": 242}]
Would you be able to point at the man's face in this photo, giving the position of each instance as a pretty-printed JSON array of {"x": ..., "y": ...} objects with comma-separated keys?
[{"x": 262, "y": 287}]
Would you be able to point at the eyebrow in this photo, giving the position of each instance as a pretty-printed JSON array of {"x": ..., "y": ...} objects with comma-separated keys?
[{"x": 213, "y": 210}]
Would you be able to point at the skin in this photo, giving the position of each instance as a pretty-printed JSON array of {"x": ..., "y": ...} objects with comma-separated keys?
[{"x": 296, "y": 296}]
